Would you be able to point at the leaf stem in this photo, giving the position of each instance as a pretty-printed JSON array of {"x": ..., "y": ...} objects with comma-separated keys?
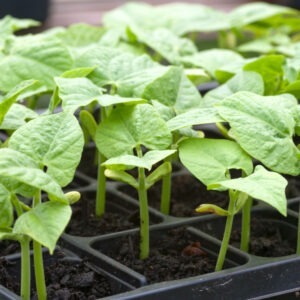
[
  {"x": 16, "y": 204},
  {"x": 165, "y": 200},
  {"x": 144, "y": 212},
  {"x": 38, "y": 260},
  {"x": 101, "y": 179},
  {"x": 101, "y": 187},
  {"x": 25, "y": 269},
  {"x": 246, "y": 225},
  {"x": 227, "y": 232}
]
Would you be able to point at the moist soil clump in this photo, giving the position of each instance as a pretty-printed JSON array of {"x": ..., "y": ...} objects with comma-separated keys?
[
  {"x": 174, "y": 255},
  {"x": 187, "y": 194},
  {"x": 64, "y": 279}
]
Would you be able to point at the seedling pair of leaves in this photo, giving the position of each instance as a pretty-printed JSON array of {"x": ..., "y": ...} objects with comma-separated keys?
[
  {"x": 210, "y": 161},
  {"x": 42, "y": 155}
]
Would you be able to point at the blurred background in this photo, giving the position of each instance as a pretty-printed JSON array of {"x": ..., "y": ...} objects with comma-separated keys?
[{"x": 64, "y": 12}]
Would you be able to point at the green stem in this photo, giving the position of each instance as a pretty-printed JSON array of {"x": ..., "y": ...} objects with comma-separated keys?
[
  {"x": 17, "y": 205},
  {"x": 101, "y": 179},
  {"x": 298, "y": 237},
  {"x": 38, "y": 261},
  {"x": 25, "y": 269},
  {"x": 144, "y": 212},
  {"x": 165, "y": 200},
  {"x": 223, "y": 130},
  {"x": 227, "y": 232},
  {"x": 101, "y": 187},
  {"x": 246, "y": 225}
]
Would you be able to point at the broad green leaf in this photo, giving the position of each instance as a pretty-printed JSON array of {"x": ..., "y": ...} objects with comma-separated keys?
[
  {"x": 242, "y": 81},
  {"x": 6, "y": 208},
  {"x": 78, "y": 72},
  {"x": 79, "y": 37},
  {"x": 212, "y": 59},
  {"x": 34, "y": 58},
  {"x": 293, "y": 88},
  {"x": 53, "y": 141},
  {"x": 262, "y": 185},
  {"x": 166, "y": 43},
  {"x": 112, "y": 64},
  {"x": 88, "y": 123},
  {"x": 44, "y": 223},
  {"x": 125, "y": 162},
  {"x": 17, "y": 167},
  {"x": 183, "y": 18},
  {"x": 196, "y": 76},
  {"x": 270, "y": 68},
  {"x": 194, "y": 117},
  {"x": 253, "y": 12},
  {"x": 17, "y": 116},
  {"x": 264, "y": 127},
  {"x": 9, "y": 24},
  {"x": 78, "y": 92},
  {"x": 11, "y": 97},
  {"x": 209, "y": 160},
  {"x": 130, "y": 126}
]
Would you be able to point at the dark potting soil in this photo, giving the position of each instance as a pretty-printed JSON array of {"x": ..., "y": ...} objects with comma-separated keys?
[
  {"x": 9, "y": 247},
  {"x": 84, "y": 222},
  {"x": 266, "y": 239},
  {"x": 64, "y": 280},
  {"x": 174, "y": 255},
  {"x": 187, "y": 194},
  {"x": 293, "y": 188}
]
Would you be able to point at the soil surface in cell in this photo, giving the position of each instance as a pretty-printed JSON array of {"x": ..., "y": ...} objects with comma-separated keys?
[
  {"x": 175, "y": 254},
  {"x": 84, "y": 222},
  {"x": 64, "y": 280}
]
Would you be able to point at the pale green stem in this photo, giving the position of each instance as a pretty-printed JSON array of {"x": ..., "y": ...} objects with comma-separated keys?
[
  {"x": 227, "y": 232},
  {"x": 25, "y": 269},
  {"x": 166, "y": 192},
  {"x": 223, "y": 130},
  {"x": 101, "y": 179},
  {"x": 144, "y": 212},
  {"x": 246, "y": 225},
  {"x": 38, "y": 261},
  {"x": 16, "y": 204}
]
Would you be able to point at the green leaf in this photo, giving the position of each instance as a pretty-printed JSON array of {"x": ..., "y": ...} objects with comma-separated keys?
[
  {"x": 34, "y": 58},
  {"x": 78, "y": 92},
  {"x": 9, "y": 24},
  {"x": 53, "y": 141},
  {"x": 124, "y": 162},
  {"x": 212, "y": 59},
  {"x": 17, "y": 167},
  {"x": 210, "y": 159},
  {"x": 112, "y": 64},
  {"x": 253, "y": 12},
  {"x": 88, "y": 122},
  {"x": 130, "y": 126},
  {"x": 122, "y": 176},
  {"x": 264, "y": 127},
  {"x": 270, "y": 67},
  {"x": 9, "y": 235},
  {"x": 262, "y": 185},
  {"x": 17, "y": 116},
  {"x": 6, "y": 208},
  {"x": 44, "y": 223},
  {"x": 10, "y": 98},
  {"x": 194, "y": 117},
  {"x": 242, "y": 81},
  {"x": 165, "y": 42}
]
